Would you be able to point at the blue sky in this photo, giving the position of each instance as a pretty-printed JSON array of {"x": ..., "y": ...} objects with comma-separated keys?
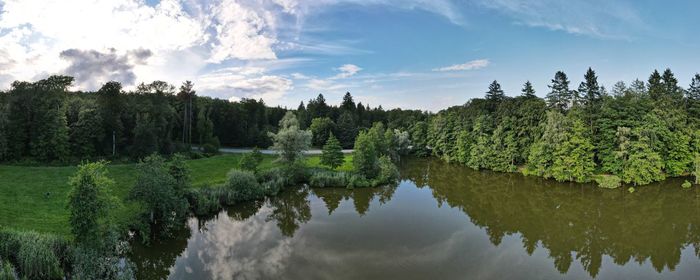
[{"x": 415, "y": 54}]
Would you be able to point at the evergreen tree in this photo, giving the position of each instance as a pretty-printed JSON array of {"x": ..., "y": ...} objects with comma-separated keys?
[
  {"x": 186, "y": 95},
  {"x": 495, "y": 95},
  {"x": 346, "y": 129},
  {"x": 560, "y": 96},
  {"x": 693, "y": 97},
  {"x": 205, "y": 130},
  {"x": 673, "y": 93},
  {"x": 419, "y": 138},
  {"x": 332, "y": 155},
  {"x": 348, "y": 104},
  {"x": 528, "y": 91},
  {"x": 655, "y": 86}
]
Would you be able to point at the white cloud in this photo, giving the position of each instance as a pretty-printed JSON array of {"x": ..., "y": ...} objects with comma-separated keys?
[
  {"x": 470, "y": 65},
  {"x": 347, "y": 70},
  {"x": 244, "y": 82}
]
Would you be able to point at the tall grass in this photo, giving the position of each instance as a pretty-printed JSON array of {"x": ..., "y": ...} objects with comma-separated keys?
[{"x": 36, "y": 256}]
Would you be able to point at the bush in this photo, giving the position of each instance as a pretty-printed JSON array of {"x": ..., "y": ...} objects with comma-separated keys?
[
  {"x": 608, "y": 181},
  {"x": 34, "y": 255},
  {"x": 210, "y": 148},
  {"x": 272, "y": 180},
  {"x": 204, "y": 201},
  {"x": 242, "y": 186},
  {"x": 250, "y": 161},
  {"x": 106, "y": 261},
  {"x": 388, "y": 172},
  {"x": 358, "y": 181},
  {"x": 322, "y": 179},
  {"x": 7, "y": 272},
  {"x": 686, "y": 184}
]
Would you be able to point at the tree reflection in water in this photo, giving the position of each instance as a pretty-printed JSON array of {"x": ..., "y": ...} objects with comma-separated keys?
[
  {"x": 572, "y": 221},
  {"x": 440, "y": 223}
]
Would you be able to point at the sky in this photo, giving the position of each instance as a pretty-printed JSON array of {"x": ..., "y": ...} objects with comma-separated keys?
[{"x": 413, "y": 54}]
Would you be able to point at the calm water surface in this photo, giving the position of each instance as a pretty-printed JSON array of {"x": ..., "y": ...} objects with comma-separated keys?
[{"x": 443, "y": 222}]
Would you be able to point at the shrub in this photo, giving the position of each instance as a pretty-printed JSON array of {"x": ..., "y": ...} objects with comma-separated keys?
[
  {"x": 204, "y": 201},
  {"x": 358, "y": 181},
  {"x": 37, "y": 258},
  {"x": 322, "y": 179},
  {"x": 211, "y": 148},
  {"x": 242, "y": 186},
  {"x": 388, "y": 172},
  {"x": 250, "y": 161},
  {"x": 686, "y": 185},
  {"x": 608, "y": 181},
  {"x": 106, "y": 261},
  {"x": 7, "y": 272},
  {"x": 88, "y": 201},
  {"x": 272, "y": 180}
]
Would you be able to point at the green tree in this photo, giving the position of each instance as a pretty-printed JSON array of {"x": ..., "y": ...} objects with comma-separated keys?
[
  {"x": 644, "y": 164},
  {"x": 332, "y": 155},
  {"x": 528, "y": 91},
  {"x": 693, "y": 97},
  {"x": 110, "y": 107},
  {"x": 495, "y": 95},
  {"x": 162, "y": 197},
  {"x": 365, "y": 157},
  {"x": 145, "y": 139},
  {"x": 88, "y": 202},
  {"x": 543, "y": 151},
  {"x": 574, "y": 157},
  {"x": 348, "y": 104},
  {"x": 87, "y": 133},
  {"x": 251, "y": 161},
  {"x": 205, "y": 129},
  {"x": 419, "y": 138},
  {"x": 346, "y": 129},
  {"x": 504, "y": 147},
  {"x": 290, "y": 142},
  {"x": 321, "y": 128},
  {"x": 560, "y": 97},
  {"x": 480, "y": 153},
  {"x": 696, "y": 168}
]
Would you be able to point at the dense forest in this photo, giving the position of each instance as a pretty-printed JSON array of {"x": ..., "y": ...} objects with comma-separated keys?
[
  {"x": 637, "y": 133},
  {"x": 44, "y": 121}
]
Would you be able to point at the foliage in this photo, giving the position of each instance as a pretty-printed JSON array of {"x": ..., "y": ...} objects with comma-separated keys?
[
  {"x": 251, "y": 161},
  {"x": 332, "y": 155},
  {"x": 242, "y": 186},
  {"x": 162, "y": 197},
  {"x": 89, "y": 201},
  {"x": 346, "y": 129},
  {"x": 321, "y": 129},
  {"x": 686, "y": 184},
  {"x": 106, "y": 261},
  {"x": 366, "y": 155},
  {"x": 696, "y": 168},
  {"x": 7, "y": 271},
  {"x": 290, "y": 142},
  {"x": 322, "y": 179},
  {"x": 34, "y": 255},
  {"x": 608, "y": 181}
]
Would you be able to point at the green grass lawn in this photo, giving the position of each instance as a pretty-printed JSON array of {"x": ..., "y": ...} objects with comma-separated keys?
[{"x": 34, "y": 198}]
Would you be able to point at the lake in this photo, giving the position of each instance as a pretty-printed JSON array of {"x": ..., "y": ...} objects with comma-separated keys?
[{"x": 443, "y": 221}]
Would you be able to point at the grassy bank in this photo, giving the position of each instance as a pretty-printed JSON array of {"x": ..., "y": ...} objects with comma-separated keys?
[{"x": 34, "y": 198}]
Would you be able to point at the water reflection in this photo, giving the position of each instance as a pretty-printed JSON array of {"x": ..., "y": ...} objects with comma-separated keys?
[{"x": 443, "y": 221}]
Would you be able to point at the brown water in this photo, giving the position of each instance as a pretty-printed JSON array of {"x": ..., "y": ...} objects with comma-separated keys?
[{"x": 443, "y": 222}]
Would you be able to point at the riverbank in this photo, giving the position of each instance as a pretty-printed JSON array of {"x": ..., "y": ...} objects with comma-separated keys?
[{"x": 34, "y": 198}]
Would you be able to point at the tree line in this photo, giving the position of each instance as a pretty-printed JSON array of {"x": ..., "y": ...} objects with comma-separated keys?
[
  {"x": 639, "y": 133},
  {"x": 44, "y": 121}
]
